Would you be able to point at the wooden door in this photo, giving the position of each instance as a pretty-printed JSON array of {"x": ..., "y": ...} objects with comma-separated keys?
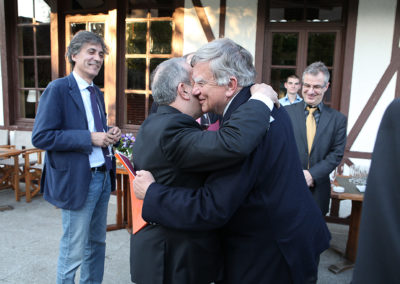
[
  {"x": 290, "y": 51},
  {"x": 104, "y": 26}
]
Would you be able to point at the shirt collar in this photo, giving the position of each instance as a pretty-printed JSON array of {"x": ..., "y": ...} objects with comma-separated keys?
[
  {"x": 297, "y": 99},
  {"x": 82, "y": 84},
  {"x": 319, "y": 106},
  {"x": 229, "y": 103}
]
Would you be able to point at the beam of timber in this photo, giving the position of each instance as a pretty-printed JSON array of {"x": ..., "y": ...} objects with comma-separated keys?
[
  {"x": 373, "y": 100},
  {"x": 201, "y": 14},
  {"x": 393, "y": 67},
  {"x": 222, "y": 16}
]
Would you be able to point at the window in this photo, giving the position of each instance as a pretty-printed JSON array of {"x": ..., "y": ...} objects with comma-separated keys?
[
  {"x": 149, "y": 38},
  {"x": 305, "y": 11},
  {"x": 293, "y": 51},
  {"x": 139, "y": 33},
  {"x": 34, "y": 64},
  {"x": 298, "y": 33},
  {"x": 95, "y": 24}
]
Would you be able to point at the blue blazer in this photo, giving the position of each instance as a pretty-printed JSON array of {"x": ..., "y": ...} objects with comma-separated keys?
[
  {"x": 272, "y": 230},
  {"x": 61, "y": 128}
]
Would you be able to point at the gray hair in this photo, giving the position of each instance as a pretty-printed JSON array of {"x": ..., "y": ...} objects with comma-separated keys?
[
  {"x": 166, "y": 78},
  {"x": 227, "y": 59},
  {"x": 315, "y": 68},
  {"x": 81, "y": 38}
]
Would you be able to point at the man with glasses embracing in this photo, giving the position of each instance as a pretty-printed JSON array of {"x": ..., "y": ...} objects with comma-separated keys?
[
  {"x": 270, "y": 229},
  {"x": 320, "y": 133}
]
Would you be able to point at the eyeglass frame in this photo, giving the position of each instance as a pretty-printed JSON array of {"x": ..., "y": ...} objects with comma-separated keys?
[
  {"x": 316, "y": 88},
  {"x": 202, "y": 83}
]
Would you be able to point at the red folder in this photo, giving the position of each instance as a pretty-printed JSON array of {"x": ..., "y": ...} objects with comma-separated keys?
[{"x": 136, "y": 204}]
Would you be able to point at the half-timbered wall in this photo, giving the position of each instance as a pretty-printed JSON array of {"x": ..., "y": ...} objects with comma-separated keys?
[
  {"x": 200, "y": 22},
  {"x": 372, "y": 56},
  {"x": 239, "y": 25},
  {"x": 370, "y": 53}
]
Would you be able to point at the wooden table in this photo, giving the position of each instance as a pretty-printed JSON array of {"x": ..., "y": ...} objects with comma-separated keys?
[
  {"x": 7, "y": 153},
  {"x": 356, "y": 197},
  {"x": 123, "y": 214}
]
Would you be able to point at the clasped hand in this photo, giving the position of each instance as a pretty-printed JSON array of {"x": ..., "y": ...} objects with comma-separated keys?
[
  {"x": 141, "y": 183},
  {"x": 267, "y": 91},
  {"x": 104, "y": 139}
]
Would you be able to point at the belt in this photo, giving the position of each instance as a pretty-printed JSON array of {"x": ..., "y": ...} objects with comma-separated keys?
[{"x": 99, "y": 169}]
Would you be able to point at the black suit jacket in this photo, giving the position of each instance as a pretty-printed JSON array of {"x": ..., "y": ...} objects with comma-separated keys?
[
  {"x": 172, "y": 146},
  {"x": 273, "y": 231},
  {"x": 327, "y": 149},
  {"x": 378, "y": 254}
]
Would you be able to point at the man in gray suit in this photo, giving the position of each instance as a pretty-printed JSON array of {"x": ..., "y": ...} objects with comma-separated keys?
[{"x": 320, "y": 133}]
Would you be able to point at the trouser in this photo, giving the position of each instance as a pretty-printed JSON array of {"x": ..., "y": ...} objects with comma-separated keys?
[{"x": 84, "y": 235}]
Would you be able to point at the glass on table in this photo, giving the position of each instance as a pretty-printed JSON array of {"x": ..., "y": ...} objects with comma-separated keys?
[{"x": 358, "y": 174}]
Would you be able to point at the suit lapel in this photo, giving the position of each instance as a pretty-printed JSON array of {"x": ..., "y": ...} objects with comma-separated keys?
[
  {"x": 324, "y": 119},
  {"x": 301, "y": 122},
  {"x": 76, "y": 95},
  {"x": 242, "y": 97}
]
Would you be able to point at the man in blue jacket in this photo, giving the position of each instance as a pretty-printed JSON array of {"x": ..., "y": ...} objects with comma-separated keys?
[{"x": 79, "y": 170}]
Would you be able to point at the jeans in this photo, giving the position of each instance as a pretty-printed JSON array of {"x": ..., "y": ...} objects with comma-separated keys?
[{"x": 83, "y": 242}]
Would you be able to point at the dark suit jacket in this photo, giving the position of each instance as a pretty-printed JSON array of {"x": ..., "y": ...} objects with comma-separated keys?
[
  {"x": 272, "y": 229},
  {"x": 172, "y": 146},
  {"x": 378, "y": 254},
  {"x": 61, "y": 128},
  {"x": 327, "y": 149}
]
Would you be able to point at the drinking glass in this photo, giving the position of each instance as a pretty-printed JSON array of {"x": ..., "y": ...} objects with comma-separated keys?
[
  {"x": 205, "y": 121},
  {"x": 358, "y": 175},
  {"x": 110, "y": 152},
  {"x": 333, "y": 175}
]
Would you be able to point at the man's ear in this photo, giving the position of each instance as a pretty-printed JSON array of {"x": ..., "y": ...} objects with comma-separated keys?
[
  {"x": 182, "y": 92},
  {"x": 327, "y": 86},
  {"x": 73, "y": 57},
  {"x": 231, "y": 87}
]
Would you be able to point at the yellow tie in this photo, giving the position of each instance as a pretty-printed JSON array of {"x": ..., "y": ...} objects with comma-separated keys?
[{"x": 311, "y": 127}]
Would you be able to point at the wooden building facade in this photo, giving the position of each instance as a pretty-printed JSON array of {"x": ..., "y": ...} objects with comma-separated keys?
[{"x": 357, "y": 39}]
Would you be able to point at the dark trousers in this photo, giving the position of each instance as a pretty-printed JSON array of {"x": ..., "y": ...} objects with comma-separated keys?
[{"x": 313, "y": 279}]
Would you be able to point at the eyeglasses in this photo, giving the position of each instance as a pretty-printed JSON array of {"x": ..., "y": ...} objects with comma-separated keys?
[
  {"x": 201, "y": 83},
  {"x": 317, "y": 88}
]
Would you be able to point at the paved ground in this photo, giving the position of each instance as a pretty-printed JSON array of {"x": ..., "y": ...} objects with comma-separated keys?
[{"x": 30, "y": 232}]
